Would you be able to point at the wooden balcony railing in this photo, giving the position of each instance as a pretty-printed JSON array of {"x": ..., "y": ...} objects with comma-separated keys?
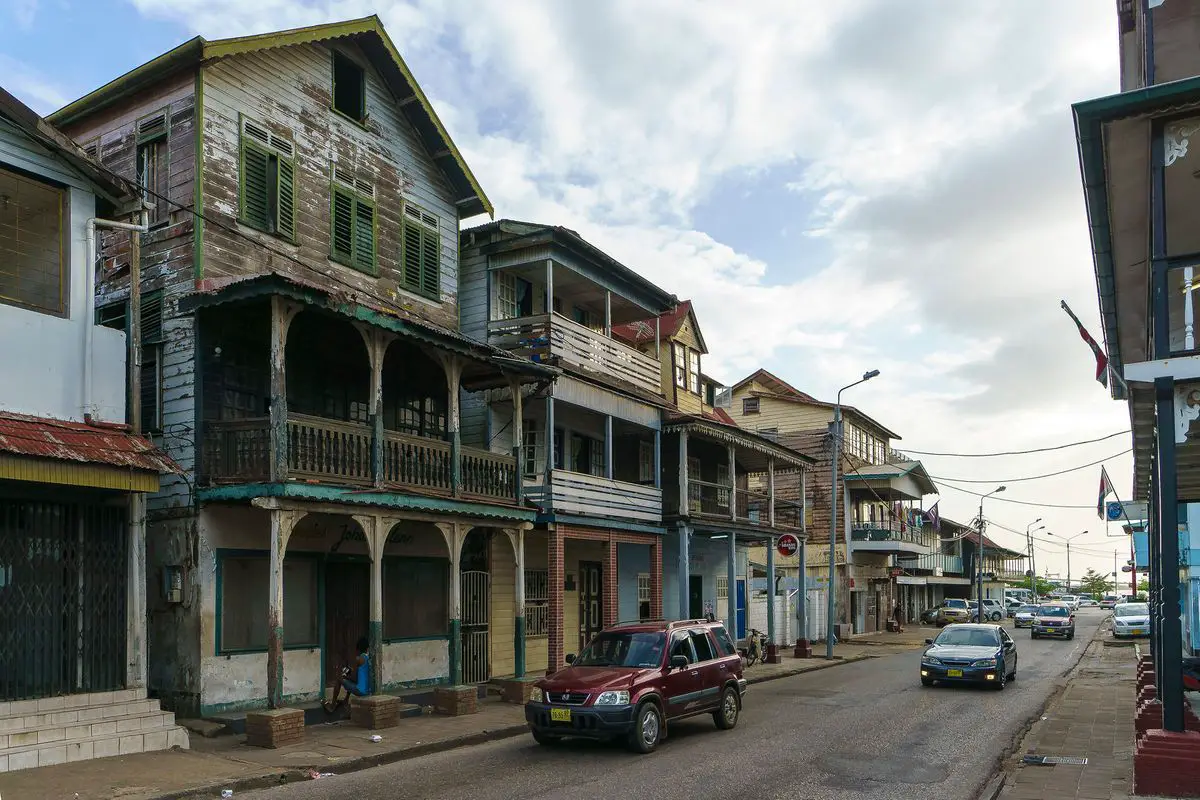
[
  {"x": 341, "y": 453},
  {"x": 552, "y": 338},
  {"x": 710, "y": 500},
  {"x": 891, "y": 531},
  {"x": 578, "y": 493}
]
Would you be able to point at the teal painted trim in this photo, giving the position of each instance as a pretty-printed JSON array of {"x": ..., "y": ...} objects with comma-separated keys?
[
  {"x": 601, "y": 522},
  {"x": 455, "y": 463},
  {"x": 519, "y": 648},
  {"x": 216, "y": 709},
  {"x": 455, "y": 652},
  {"x": 376, "y": 636},
  {"x": 358, "y": 497},
  {"x": 233, "y": 552},
  {"x": 1137, "y": 101}
]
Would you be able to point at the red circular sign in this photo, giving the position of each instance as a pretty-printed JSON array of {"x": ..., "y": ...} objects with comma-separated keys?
[{"x": 788, "y": 545}]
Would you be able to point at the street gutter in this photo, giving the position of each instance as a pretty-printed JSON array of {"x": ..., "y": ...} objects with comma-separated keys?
[{"x": 297, "y": 775}]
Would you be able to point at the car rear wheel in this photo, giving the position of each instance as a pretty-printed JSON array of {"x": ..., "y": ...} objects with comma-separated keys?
[
  {"x": 996, "y": 616},
  {"x": 545, "y": 739},
  {"x": 727, "y": 715},
  {"x": 647, "y": 729}
]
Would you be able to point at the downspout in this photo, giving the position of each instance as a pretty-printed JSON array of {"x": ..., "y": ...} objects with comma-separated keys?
[
  {"x": 1148, "y": 43},
  {"x": 90, "y": 300}
]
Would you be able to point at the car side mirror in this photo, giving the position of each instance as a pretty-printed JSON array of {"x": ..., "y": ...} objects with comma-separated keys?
[
  {"x": 679, "y": 662},
  {"x": 929, "y": 641},
  {"x": 570, "y": 658}
]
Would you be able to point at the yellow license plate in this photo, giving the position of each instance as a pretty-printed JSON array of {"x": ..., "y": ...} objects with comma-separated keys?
[
  {"x": 954, "y": 673},
  {"x": 560, "y": 715},
  {"x": 1137, "y": 631}
]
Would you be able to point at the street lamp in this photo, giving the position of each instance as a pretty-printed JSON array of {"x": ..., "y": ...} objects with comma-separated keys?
[
  {"x": 1029, "y": 547},
  {"x": 830, "y": 606},
  {"x": 1068, "y": 540},
  {"x": 979, "y": 556}
]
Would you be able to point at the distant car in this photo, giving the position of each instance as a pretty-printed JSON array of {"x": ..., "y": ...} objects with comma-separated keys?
[
  {"x": 1109, "y": 601},
  {"x": 993, "y": 610},
  {"x": 970, "y": 654},
  {"x": 633, "y": 678},
  {"x": 1024, "y": 616},
  {"x": 1071, "y": 600},
  {"x": 1053, "y": 619},
  {"x": 1012, "y": 605},
  {"x": 954, "y": 610},
  {"x": 1131, "y": 619},
  {"x": 1087, "y": 602},
  {"x": 929, "y": 616}
]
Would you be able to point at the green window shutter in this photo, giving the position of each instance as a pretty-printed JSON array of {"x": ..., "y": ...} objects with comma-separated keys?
[
  {"x": 343, "y": 226},
  {"x": 364, "y": 236},
  {"x": 286, "y": 200},
  {"x": 412, "y": 256},
  {"x": 254, "y": 189},
  {"x": 431, "y": 253}
]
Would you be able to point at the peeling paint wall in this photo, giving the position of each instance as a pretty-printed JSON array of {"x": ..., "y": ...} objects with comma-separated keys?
[
  {"x": 415, "y": 662},
  {"x": 241, "y": 680}
]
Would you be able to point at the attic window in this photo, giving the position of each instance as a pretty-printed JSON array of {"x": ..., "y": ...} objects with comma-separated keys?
[
  {"x": 349, "y": 88},
  {"x": 749, "y": 405}
]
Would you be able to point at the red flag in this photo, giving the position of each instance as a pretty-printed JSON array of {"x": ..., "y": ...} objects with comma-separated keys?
[
  {"x": 1106, "y": 488},
  {"x": 1101, "y": 358}
]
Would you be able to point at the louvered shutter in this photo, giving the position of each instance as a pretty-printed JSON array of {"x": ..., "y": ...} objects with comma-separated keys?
[
  {"x": 286, "y": 224},
  {"x": 431, "y": 251},
  {"x": 364, "y": 236},
  {"x": 254, "y": 186},
  {"x": 412, "y": 256},
  {"x": 343, "y": 226}
]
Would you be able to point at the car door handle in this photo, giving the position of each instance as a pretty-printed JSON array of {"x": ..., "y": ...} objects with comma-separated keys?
[{"x": 695, "y": 672}]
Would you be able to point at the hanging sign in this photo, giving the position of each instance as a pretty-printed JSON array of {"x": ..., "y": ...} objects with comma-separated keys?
[{"x": 788, "y": 545}]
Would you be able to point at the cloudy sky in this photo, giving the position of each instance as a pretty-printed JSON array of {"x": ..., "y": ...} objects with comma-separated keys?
[{"x": 837, "y": 186}]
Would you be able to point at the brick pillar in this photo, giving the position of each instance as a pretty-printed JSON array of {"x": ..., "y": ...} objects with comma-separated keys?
[
  {"x": 557, "y": 576},
  {"x": 656, "y": 579},
  {"x": 612, "y": 609}
]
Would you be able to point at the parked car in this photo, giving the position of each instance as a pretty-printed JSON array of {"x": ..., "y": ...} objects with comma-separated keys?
[
  {"x": 1024, "y": 616},
  {"x": 1131, "y": 619},
  {"x": 954, "y": 610},
  {"x": 929, "y": 616},
  {"x": 1012, "y": 605},
  {"x": 970, "y": 653},
  {"x": 1109, "y": 601},
  {"x": 634, "y": 678},
  {"x": 1086, "y": 602},
  {"x": 1053, "y": 619},
  {"x": 993, "y": 610},
  {"x": 1070, "y": 600}
]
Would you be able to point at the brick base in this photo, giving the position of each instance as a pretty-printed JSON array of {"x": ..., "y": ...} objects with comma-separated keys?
[
  {"x": 1167, "y": 764},
  {"x": 274, "y": 727},
  {"x": 456, "y": 700},
  {"x": 514, "y": 690},
  {"x": 803, "y": 649},
  {"x": 375, "y": 711}
]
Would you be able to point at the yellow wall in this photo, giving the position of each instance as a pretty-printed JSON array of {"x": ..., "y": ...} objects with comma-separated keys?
[{"x": 781, "y": 414}]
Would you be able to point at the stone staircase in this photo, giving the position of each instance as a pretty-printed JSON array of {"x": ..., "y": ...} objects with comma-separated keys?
[{"x": 57, "y": 730}]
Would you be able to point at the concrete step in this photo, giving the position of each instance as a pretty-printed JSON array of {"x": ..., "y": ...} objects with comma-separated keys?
[
  {"x": 144, "y": 740},
  {"x": 109, "y": 726},
  {"x": 24, "y": 708},
  {"x": 79, "y": 715}
]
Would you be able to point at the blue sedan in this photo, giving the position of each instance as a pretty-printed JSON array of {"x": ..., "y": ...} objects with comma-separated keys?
[{"x": 970, "y": 654}]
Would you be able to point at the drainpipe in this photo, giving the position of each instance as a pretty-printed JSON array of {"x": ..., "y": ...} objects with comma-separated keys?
[{"x": 90, "y": 299}]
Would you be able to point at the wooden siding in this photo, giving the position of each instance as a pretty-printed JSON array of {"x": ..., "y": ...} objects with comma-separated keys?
[
  {"x": 502, "y": 623},
  {"x": 288, "y": 90},
  {"x": 71, "y": 473},
  {"x": 783, "y": 415},
  {"x": 593, "y": 495}
]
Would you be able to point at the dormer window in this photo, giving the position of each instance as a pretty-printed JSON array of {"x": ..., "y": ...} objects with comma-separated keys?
[{"x": 349, "y": 88}]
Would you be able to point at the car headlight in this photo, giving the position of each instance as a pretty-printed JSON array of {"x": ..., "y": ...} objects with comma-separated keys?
[
  {"x": 931, "y": 660},
  {"x": 985, "y": 662},
  {"x": 535, "y": 695},
  {"x": 620, "y": 698}
]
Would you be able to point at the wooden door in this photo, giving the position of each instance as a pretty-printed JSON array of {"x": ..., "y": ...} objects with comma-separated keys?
[
  {"x": 591, "y": 601},
  {"x": 347, "y": 613}
]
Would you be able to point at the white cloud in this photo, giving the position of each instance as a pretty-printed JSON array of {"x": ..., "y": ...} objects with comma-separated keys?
[
  {"x": 30, "y": 86},
  {"x": 24, "y": 12},
  {"x": 934, "y": 141}
]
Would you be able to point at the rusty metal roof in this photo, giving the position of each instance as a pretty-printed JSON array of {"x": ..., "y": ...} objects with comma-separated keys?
[{"x": 40, "y": 437}]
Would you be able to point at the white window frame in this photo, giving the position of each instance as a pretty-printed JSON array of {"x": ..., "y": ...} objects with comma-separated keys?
[{"x": 506, "y": 296}]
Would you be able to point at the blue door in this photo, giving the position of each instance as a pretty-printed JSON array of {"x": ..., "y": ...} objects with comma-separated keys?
[{"x": 741, "y": 609}]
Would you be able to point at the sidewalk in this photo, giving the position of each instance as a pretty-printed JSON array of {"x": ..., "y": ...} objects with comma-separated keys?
[
  {"x": 225, "y": 762},
  {"x": 1091, "y": 718}
]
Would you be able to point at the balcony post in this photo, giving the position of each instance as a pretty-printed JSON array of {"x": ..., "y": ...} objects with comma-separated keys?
[
  {"x": 377, "y": 344},
  {"x": 685, "y": 569},
  {"x": 658, "y": 459},
  {"x": 732, "y": 484},
  {"x": 453, "y": 366},
  {"x": 608, "y": 446},
  {"x": 771, "y": 488},
  {"x": 683, "y": 477},
  {"x": 549, "y": 293},
  {"x": 658, "y": 340},
  {"x": 282, "y": 523},
  {"x": 518, "y": 411},
  {"x": 549, "y": 466},
  {"x": 282, "y": 314},
  {"x": 732, "y": 593},
  {"x": 454, "y": 534}
]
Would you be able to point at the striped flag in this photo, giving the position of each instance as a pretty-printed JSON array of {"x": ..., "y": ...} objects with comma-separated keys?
[
  {"x": 1101, "y": 358},
  {"x": 1106, "y": 488}
]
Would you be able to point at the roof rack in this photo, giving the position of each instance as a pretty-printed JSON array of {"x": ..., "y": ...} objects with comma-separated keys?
[{"x": 671, "y": 623}]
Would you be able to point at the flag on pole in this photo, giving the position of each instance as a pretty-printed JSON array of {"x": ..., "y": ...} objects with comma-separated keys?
[
  {"x": 934, "y": 518},
  {"x": 1101, "y": 358},
  {"x": 1106, "y": 488}
]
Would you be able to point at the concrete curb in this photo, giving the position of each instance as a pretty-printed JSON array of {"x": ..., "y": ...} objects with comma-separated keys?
[{"x": 837, "y": 662}]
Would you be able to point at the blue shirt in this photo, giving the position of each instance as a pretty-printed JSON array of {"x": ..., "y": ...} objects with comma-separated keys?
[{"x": 364, "y": 670}]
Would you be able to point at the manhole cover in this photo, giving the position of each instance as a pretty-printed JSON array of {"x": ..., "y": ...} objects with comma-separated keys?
[{"x": 1050, "y": 761}]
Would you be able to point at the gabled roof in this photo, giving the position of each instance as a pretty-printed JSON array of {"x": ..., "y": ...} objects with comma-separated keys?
[
  {"x": 375, "y": 43},
  {"x": 113, "y": 188},
  {"x": 991, "y": 547},
  {"x": 913, "y": 469},
  {"x": 642, "y": 330},
  {"x": 782, "y": 390}
]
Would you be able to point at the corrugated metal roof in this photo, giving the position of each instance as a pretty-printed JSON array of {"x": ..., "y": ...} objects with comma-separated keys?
[{"x": 39, "y": 437}]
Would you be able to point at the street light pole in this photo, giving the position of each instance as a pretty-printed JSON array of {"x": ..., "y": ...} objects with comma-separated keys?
[
  {"x": 1032, "y": 561},
  {"x": 1068, "y": 540},
  {"x": 979, "y": 551},
  {"x": 831, "y": 590}
]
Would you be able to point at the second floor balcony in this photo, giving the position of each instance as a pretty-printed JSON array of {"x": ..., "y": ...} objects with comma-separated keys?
[
  {"x": 937, "y": 564},
  {"x": 891, "y": 536}
]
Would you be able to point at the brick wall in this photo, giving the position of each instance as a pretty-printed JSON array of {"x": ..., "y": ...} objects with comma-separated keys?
[{"x": 556, "y": 576}]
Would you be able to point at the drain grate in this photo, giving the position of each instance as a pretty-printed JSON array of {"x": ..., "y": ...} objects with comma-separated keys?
[{"x": 1050, "y": 761}]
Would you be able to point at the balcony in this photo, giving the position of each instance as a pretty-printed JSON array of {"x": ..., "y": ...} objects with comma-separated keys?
[
  {"x": 711, "y": 501},
  {"x": 341, "y": 453},
  {"x": 890, "y": 537},
  {"x": 556, "y": 340},
  {"x": 593, "y": 495},
  {"x": 936, "y": 563}
]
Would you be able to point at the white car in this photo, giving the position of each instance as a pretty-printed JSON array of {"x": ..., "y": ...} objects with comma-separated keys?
[
  {"x": 1131, "y": 619},
  {"x": 1071, "y": 600},
  {"x": 1087, "y": 602},
  {"x": 1024, "y": 616}
]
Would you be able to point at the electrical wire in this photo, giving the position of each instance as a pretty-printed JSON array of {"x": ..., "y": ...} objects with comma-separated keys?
[
  {"x": 1018, "y": 502},
  {"x": 1034, "y": 477},
  {"x": 1017, "y": 452}
]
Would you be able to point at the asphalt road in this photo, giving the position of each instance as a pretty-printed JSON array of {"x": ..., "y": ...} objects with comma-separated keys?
[{"x": 864, "y": 730}]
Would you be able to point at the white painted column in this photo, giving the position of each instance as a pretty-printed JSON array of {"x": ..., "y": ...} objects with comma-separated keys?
[{"x": 135, "y": 594}]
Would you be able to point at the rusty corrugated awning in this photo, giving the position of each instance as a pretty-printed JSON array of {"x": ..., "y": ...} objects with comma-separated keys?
[{"x": 41, "y": 437}]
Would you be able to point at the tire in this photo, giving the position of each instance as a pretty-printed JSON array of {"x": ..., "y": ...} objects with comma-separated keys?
[
  {"x": 545, "y": 739},
  {"x": 1013, "y": 676},
  {"x": 996, "y": 616},
  {"x": 727, "y": 715},
  {"x": 927, "y": 681},
  {"x": 1000, "y": 683},
  {"x": 1033, "y": 635},
  {"x": 647, "y": 729}
]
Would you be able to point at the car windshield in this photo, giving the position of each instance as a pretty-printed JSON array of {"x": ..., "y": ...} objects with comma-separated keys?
[
  {"x": 1132, "y": 610},
  {"x": 617, "y": 649},
  {"x": 967, "y": 637},
  {"x": 1027, "y": 610},
  {"x": 1055, "y": 611},
  {"x": 956, "y": 604}
]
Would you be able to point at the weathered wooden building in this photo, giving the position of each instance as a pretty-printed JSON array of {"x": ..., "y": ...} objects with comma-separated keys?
[{"x": 302, "y": 360}]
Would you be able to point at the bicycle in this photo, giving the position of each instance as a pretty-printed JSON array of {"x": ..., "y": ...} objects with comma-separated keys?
[{"x": 756, "y": 648}]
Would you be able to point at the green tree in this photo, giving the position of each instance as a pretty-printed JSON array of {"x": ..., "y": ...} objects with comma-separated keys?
[
  {"x": 1043, "y": 587},
  {"x": 1094, "y": 583}
]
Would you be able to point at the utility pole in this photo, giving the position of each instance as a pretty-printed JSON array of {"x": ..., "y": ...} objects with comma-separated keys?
[
  {"x": 979, "y": 551},
  {"x": 1029, "y": 547}
]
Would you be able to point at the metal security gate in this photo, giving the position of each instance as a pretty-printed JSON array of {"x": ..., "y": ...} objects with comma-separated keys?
[
  {"x": 62, "y": 598},
  {"x": 476, "y": 613}
]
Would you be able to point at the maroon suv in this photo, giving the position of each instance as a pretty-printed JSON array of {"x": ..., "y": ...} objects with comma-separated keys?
[{"x": 636, "y": 677}]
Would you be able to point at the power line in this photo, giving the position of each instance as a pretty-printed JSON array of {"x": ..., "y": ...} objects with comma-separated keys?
[
  {"x": 1033, "y": 477},
  {"x": 997, "y": 498},
  {"x": 1016, "y": 452}
]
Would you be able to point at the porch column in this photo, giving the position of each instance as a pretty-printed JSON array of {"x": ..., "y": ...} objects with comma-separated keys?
[
  {"x": 656, "y": 580},
  {"x": 658, "y": 339},
  {"x": 517, "y": 538},
  {"x": 454, "y": 367},
  {"x": 282, "y": 314},
  {"x": 612, "y": 610},
  {"x": 684, "y": 566},
  {"x": 802, "y": 595},
  {"x": 770, "y": 590},
  {"x": 732, "y": 483},
  {"x": 376, "y": 530},
  {"x": 608, "y": 446},
  {"x": 518, "y": 426},
  {"x": 549, "y": 286},
  {"x": 731, "y": 599},
  {"x": 454, "y": 534},
  {"x": 377, "y": 344},
  {"x": 771, "y": 489},
  {"x": 549, "y": 466},
  {"x": 608, "y": 313},
  {"x": 282, "y": 523},
  {"x": 1170, "y": 687},
  {"x": 556, "y": 576},
  {"x": 683, "y": 477},
  {"x": 135, "y": 591},
  {"x": 658, "y": 459}
]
